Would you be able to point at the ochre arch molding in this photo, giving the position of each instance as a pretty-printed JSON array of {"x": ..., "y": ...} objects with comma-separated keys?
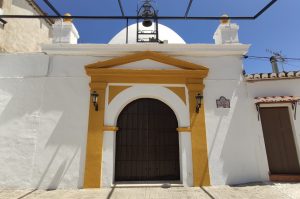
[
  {"x": 114, "y": 90},
  {"x": 103, "y": 73},
  {"x": 147, "y": 91},
  {"x": 179, "y": 91}
]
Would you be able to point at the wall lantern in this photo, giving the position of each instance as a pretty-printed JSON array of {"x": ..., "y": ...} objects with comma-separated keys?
[
  {"x": 94, "y": 96},
  {"x": 199, "y": 98}
]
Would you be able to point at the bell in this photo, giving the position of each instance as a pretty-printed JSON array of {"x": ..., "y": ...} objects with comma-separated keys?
[{"x": 147, "y": 23}]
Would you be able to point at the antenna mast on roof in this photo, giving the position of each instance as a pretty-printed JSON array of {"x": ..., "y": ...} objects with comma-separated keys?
[{"x": 275, "y": 58}]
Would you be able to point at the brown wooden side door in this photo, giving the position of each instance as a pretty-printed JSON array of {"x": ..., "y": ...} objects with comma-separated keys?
[
  {"x": 279, "y": 141},
  {"x": 147, "y": 145}
]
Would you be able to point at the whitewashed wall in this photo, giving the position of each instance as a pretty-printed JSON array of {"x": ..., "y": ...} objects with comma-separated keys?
[
  {"x": 235, "y": 139},
  {"x": 232, "y": 141},
  {"x": 232, "y": 144},
  {"x": 43, "y": 120},
  {"x": 237, "y": 151},
  {"x": 44, "y": 102}
]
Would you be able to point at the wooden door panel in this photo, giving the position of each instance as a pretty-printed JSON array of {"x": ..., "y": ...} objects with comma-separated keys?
[
  {"x": 279, "y": 141},
  {"x": 147, "y": 144}
]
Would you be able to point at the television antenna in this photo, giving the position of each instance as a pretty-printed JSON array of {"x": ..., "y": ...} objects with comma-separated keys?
[{"x": 277, "y": 57}]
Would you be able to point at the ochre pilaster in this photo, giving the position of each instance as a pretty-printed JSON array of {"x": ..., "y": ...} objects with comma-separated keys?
[
  {"x": 198, "y": 134},
  {"x": 92, "y": 174}
]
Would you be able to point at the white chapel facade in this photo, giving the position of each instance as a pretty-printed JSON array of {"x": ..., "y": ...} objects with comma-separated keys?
[{"x": 93, "y": 115}]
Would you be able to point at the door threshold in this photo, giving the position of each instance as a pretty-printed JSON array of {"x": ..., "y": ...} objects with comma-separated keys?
[
  {"x": 284, "y": 178},
  {"x": 162, "y": 184}
]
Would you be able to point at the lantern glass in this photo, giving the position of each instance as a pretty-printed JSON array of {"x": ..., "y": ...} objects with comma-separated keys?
[
  {"x": 94, "y": 96},
  {"x": 198, "y": 98}
]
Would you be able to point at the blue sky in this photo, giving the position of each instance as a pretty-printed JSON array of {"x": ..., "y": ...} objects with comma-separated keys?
[{"x": 278, "y": 29}]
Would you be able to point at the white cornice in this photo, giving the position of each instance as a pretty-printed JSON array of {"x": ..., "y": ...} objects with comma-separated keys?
[{"x": 210, "y": 50}]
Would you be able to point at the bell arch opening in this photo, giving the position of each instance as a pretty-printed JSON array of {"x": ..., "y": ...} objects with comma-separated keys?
[{"x": 147, "y": 142}]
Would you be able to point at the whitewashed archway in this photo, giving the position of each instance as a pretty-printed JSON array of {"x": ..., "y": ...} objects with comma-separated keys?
[
  {"x": 115, "y": 107},
  {"x": 147, "y": 91}
]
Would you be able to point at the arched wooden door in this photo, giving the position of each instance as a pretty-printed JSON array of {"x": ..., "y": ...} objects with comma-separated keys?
[{"x": 147, "y": 145}]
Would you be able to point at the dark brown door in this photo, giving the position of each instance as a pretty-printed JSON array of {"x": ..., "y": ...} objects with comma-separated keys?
[
  {"x": 147, "y": 146},
  {"x": 279, "y": 141}
]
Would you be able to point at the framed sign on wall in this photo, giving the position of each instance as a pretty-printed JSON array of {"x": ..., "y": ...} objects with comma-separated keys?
[{"x": 222, "y": 102}]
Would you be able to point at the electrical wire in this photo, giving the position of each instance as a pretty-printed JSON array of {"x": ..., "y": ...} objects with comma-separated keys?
[
  {"x": 257, "y": 59},
  {"x": 260, "y": 57}
]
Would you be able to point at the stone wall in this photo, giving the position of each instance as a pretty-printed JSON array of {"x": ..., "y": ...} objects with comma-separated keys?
[{"x": 23, "y": 35}]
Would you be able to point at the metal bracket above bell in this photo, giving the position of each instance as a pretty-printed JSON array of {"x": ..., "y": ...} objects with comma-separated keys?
[{"x": 147, "y": 32}]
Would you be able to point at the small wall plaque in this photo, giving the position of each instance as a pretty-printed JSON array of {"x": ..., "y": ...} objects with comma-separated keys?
[{"x": 223, "y": 102}]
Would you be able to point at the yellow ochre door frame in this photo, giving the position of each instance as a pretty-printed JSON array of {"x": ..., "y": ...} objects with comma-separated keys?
[{"x": 102, "y": 73}]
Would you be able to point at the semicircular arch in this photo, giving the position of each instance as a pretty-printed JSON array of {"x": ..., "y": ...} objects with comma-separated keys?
[{"x": 135, "y": 92}]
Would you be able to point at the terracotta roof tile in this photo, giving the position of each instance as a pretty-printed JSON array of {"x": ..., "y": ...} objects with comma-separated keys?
[
  {"x": 276, "y": 99},
  {"x": 272, "y": 76}
]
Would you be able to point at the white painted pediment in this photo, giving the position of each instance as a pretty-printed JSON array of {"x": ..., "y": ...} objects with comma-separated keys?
[{"x": 147, "y": 64}]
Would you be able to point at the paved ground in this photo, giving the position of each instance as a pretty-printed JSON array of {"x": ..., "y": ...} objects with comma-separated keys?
[{"x": 252, "y": 191}]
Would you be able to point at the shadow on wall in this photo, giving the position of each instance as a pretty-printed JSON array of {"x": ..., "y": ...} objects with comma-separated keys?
[
  {"x": 5, "y": 98},
  {"x": 61, "y": 171},
  {"x": 61, "y": 143},
  {"x": 236, "y": 133},
  {"x": 43, "y": 132},
  {"x": 63, "y": 153},
  {"x": 18, "y": 123},
  {"x": 38, "y": 138}
]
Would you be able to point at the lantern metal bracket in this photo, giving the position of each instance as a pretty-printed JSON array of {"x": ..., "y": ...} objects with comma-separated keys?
[
  {"x": 198, "y": 106},
  {"x": 95, "y": 96},
  {"x": 258, "y": 111},
  {"x": 199, "y": 99},
  {"x": 294, "y": 107}
]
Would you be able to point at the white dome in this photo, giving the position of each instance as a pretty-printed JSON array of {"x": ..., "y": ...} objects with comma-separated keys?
[{"x": 164, "y": 33}]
